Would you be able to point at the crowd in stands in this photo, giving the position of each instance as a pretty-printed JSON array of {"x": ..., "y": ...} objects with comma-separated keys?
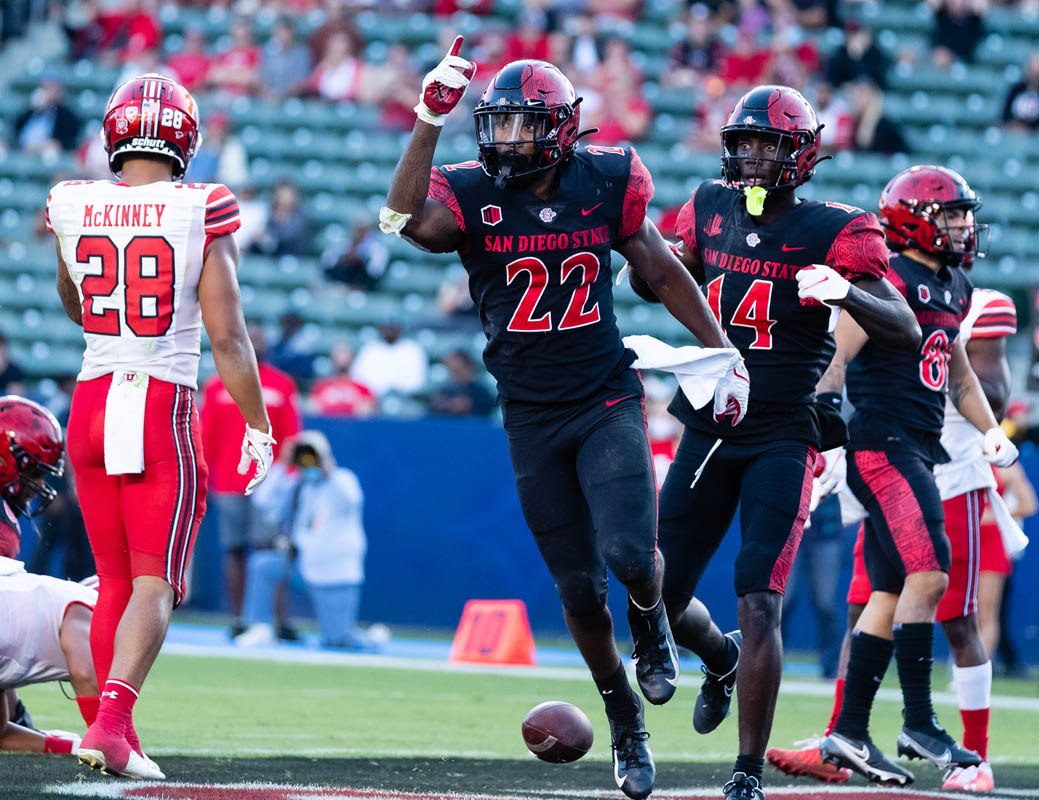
[{"x": 315, "y": 49}]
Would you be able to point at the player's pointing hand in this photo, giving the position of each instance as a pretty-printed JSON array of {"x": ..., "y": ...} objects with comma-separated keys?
[{"x": 444, "y": 85}]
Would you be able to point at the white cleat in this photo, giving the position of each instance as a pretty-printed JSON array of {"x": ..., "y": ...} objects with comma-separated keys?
[
  {"x": 142, "y": 768},
  {"x": 970, "y": 779}
]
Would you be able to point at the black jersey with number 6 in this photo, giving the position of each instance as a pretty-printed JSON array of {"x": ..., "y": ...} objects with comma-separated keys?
[
  {"x": 906, "y": 389},
  {"x": 750, "y": 279},
  {"x": 539, "y": 270}
]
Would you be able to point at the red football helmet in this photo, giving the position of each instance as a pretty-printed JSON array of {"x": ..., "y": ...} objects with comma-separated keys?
[
  {"x": 913, "y": 211},
  {"x": 151, "y": 114},
  {"x": 784, "y": 113},
  {"x": 527, "y": 102},
  {"x": 31, "y": 444}
]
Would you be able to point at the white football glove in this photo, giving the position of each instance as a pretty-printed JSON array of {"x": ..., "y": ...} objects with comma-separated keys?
[
  {"x": 732, "y": 392},
  {"x": 444, "y": 85},
  {"x": 818, "y": 284},
  {"x": 257, "y": 448},
  {"x": 998, "y": 449},
  {"x": 831, "y": 474}
]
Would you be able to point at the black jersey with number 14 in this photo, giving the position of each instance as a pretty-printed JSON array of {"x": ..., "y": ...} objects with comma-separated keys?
[
  {"x": 750, "y": 279},
  {"x": 539, "y": 270}
]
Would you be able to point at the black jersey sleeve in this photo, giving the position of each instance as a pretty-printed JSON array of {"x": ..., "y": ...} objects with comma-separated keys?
[{"x": 859, "y": 250}]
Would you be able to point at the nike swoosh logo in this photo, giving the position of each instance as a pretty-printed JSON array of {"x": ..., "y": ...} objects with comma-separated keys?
[
  {"x": 616, "y": 773},
  {"x": 861, "y": 753},
  {"x": 791, "y": 249},
  {"x": 545, "y": 745},
  {"x": 619, "y": 399},
  {"x": 586, "y": 211},
  {"x": 727, "y": 690}
]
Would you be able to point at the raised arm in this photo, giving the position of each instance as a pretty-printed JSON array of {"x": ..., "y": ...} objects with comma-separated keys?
[
  {"x": 409, "y": 211},
  {"x": 660, "y": 273}
]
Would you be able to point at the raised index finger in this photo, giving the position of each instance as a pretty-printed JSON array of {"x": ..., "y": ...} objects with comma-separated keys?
[{"x": 457, "y": 46}]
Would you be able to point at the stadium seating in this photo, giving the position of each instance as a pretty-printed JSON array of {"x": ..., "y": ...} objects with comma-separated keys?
[{"x": 343, "y": 164}]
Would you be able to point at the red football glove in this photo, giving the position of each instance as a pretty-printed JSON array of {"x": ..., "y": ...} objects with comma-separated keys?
[{"x": 444, "y": 85}]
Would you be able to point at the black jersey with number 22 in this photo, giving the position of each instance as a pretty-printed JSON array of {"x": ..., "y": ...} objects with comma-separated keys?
[{"x": 539, "y": 270}]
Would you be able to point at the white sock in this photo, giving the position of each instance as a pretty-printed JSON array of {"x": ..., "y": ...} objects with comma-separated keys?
[{"x": 973, "y": 686}]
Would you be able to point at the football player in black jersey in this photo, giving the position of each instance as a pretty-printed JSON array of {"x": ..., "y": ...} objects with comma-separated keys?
[
  {"x": 776, "y": 270},
  {"x": 534, "y": 220},
  {"x": 899, "y": 400}
]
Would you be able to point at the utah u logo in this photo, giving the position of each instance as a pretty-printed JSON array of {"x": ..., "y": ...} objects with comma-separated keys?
[
  {"x": 714, "y": 227},
  {"x": 491, "y": 215},
  {"x": 923, "y": 293}
]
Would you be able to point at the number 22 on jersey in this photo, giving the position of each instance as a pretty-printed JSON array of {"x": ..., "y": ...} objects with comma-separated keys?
[
  {"x": 148, "y": 275},
  {"x": 751, "y": 312},
  {"x": 523, "y": 319}
]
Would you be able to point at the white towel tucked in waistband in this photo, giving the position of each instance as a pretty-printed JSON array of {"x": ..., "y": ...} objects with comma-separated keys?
[
  {"x": 1014, "y": 539},
  {"x": 698, "y": 369},
  {"x": 124, "y": 423}
]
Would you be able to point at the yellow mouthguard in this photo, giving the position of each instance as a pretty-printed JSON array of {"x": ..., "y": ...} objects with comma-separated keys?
[{"x": 755, "y": 200}]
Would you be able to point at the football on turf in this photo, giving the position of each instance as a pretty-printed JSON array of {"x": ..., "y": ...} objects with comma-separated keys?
[{"x": 557, "y": 732}]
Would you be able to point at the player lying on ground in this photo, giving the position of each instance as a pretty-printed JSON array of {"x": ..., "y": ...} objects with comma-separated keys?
[
  {"x": 44, "y": 622},
  {"x": 534, "y": 220},
  {"x": 143, "y": 263},
  {"x": 776, "y": 271},
  {"x": 913, "y": 211},
  {"x": 899, "y": 403}
]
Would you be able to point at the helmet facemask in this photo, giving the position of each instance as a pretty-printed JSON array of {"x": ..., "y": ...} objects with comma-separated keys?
[
  {"x": 793, "y": 144},
  {"x": 31, "y": 483},
  {"x": 956, "y": 241},
  {"x": 517, "y": 142}
]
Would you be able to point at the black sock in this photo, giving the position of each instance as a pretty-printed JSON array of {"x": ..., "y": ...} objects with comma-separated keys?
[
  {"x": 616, "y": 694},
  {"x": 722, "y": 662},
  {"x": 749, "y": 766},
  {"x": 913, "y": 654},
  {"x": 867, "y": 664}
]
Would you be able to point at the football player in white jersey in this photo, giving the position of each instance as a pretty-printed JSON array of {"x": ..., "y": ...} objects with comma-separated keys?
[
  {"x": 44, "y": 622},
  {"x": 144, "y": 262}
]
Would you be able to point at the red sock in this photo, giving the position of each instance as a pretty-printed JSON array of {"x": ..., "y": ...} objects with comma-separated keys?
[
  {"x": 838, "y": 701},
  {"x": 116, "y": 707},
  {"x": 975, "y": 730},
  {"x": 55, "y": 744},
  {"x": 112, "y": 596},
  {"x": 132, "y": 738},
  {"x": 88, "y": 708}
]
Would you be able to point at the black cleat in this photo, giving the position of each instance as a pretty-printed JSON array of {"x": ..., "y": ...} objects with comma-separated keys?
[
  {"x": 712, "y": 704},
  {"x": 936, "y": 746},
  {"x": 633, "y": 767},
  {"x": 655, "y": 653},
  {"x": 743, "y": 787},
  {"x": 865, "y": 758}
]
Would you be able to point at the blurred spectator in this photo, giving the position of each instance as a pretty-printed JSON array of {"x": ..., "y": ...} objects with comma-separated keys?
[
  {"x": 627, "y": 10},
  {"x": 362, "y": 264},
  {"x": 236, "y": 71},
  {"x": 624, "y": 117},
  {"x": 12, "y": 378},
  {"x": 874, "y": 132},
  {"x": 292, "y": 351},
  {"x": 698, "y": 54},
  {"x": 317, "y": 506},
  {"x": 252, "y": 211},
  {"x": 489, "y": 55},
  {"x": 390, "y": 363},
  {"x": 339, "y": 395},
  {"x": 221, "y": 158},
  {"x": 455, "y": 303},
  {"x": 337, "y": 76},
  {"x": 286, "y": 62},
  {"x": 794, "y": 58},
  {"x": 858, "y": 56},
  {"x": 617, "y": 70},
  {"x": 287, "y": 231},
  {"x": 958, "y": 27},
  {"x": 338, "y": 19},
  {"x": 48, "y": 125},
  {"x": 744, "y": 65},
  {"x": 1021, "y": 109},
  {"x": 1018, "y": 423},
  {"x": 584, "y": 55},
  {"x": 838, "y": 131},
  {"x": 464, "y": 395},
  {"x": 815, "y": 15},
  {"x": 145, "y": 61},
  {"x": 391, "y": 85},
  {"x": 529, "y": 39},
  {"x": 445, "y": 8},
  {"x": 129, "y": 28},
  {"x": 191, "y": 65},
  {"x": 222, "y": 428}
]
